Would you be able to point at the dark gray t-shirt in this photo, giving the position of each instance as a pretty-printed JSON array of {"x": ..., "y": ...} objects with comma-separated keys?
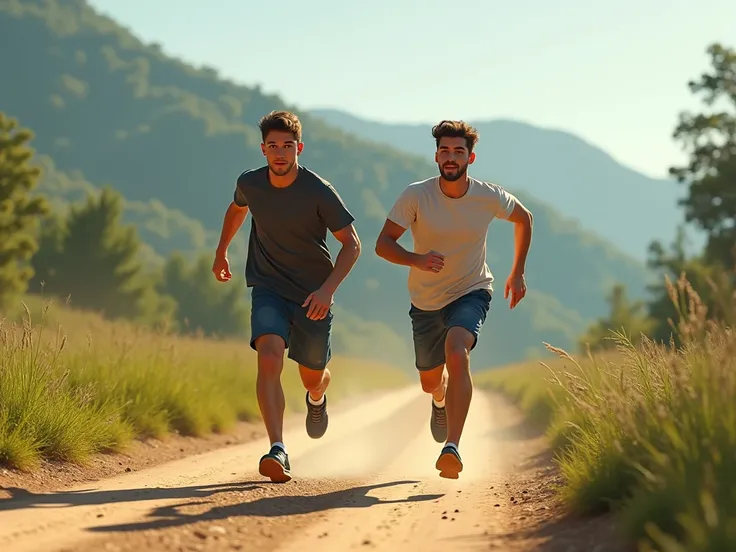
[{"x": 287, "y": 248}]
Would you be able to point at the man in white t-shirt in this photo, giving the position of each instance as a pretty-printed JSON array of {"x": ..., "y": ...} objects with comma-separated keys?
[{"x": 450, "y": 285}]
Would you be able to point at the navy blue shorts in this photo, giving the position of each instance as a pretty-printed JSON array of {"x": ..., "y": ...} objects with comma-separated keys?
[
  {"x": 308, "y": 341},
  {"x": 430, "y": 327}
]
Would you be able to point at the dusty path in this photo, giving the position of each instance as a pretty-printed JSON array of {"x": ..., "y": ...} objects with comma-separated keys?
[{"x": 369, "y": 484}]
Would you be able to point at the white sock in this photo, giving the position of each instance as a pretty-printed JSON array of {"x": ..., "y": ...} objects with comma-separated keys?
[
  {"x": 316, "y": 403},
  {"x": 453, "y": 445},
  {"x": 280, "y": 445},
  {"x": 439, "y": 404}
]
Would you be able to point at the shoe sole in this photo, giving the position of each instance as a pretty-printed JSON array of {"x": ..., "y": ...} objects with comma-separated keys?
[
  {"x": 274, "y": 471},
  {"x": 449, "y": 466},
  {"x": 316, "y": 436}
]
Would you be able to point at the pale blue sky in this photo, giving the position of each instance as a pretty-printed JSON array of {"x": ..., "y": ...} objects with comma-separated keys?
[{"x": 614, "y": 73}]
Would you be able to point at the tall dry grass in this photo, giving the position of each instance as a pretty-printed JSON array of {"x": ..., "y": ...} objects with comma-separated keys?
[
  {"x": 650, "y": 431},
  {"x": 73, "y": 384}
]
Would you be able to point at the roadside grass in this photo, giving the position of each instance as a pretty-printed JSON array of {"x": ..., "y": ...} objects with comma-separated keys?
[
  {"x": 73, "y": 384},
  {"x": 648, "y": 432}
]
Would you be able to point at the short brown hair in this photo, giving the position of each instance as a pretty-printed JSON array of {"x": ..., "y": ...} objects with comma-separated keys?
[
  {"x": 284, "y": 121},
  {"x": 455, "y": 129}
]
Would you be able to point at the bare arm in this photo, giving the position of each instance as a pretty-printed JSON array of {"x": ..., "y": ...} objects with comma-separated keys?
[
  {"x": 320, "y": 301},
  {"x": 523, "y": 222},
  {"x": 388, "y": 248},
  {"x": 234, "y": 217},
  {"x": 346, "y": 257}
]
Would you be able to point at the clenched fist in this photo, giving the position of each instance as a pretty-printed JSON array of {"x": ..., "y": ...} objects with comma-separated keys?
[
  {"x": 431, "y": 261},
  {"x": 221, "y": 268}
]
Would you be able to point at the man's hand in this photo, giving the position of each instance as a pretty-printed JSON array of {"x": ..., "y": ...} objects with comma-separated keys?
[
  {"x": 221, "y": 268},
  {"x": 319, "y": 303},
  {"x": 517, "y": 286},
  {"x": 430, "y": 262}
]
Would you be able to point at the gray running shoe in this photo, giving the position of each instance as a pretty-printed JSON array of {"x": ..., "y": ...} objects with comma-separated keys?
[
  {"x": 317, "y": 418},
  {"x": 438, "y": 423}
]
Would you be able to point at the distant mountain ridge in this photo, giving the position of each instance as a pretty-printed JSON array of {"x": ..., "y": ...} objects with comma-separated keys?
[
  {"x": 580, "y": 180},
  {"x": 110, "y": 110}
]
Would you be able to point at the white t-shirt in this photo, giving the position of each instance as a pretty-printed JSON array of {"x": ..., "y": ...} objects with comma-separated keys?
[{"x": 455, "y": 227}]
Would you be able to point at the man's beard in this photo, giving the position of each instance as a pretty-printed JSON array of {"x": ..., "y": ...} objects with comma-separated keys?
[
  {"x": 457, "y": 174},
  {"x": 281, "y": 170}
]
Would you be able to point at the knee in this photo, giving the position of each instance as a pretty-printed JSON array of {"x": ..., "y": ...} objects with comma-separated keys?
[
  {"x": 457, "y": 350},
  {"x": 270, "y": 355}
]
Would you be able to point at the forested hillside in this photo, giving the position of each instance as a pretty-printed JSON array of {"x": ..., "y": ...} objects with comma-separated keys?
[{"x": 109, "y": 110}]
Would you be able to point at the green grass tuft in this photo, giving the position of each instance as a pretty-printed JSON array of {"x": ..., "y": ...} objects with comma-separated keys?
[
  {"x": 648, "y": 431},
  {"x": 65, "y": 396}
]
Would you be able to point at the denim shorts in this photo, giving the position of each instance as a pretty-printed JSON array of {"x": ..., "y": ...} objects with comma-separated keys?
[
  {"x": 430, "y": 328},
  {"x": 308, "y": 341}
]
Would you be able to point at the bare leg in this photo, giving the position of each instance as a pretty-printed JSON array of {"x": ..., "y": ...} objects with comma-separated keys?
[
  {"x": 434, "y": 382},
  {"x": 315, "y": 381},
  {"x": 460, "y": 384},
  {"x": 268, "y": 384}
]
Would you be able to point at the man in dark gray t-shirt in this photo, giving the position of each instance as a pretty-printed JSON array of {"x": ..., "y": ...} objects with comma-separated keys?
[
  {"x": 287, "y": 248},
  {"x": 290, "y": 271}
]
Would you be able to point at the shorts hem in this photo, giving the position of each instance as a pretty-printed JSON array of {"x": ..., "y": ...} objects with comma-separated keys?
[
  {"x": 267, "y": 332},
  {"x": 428, "y": 368},
  {"x": 473, "y": 332},
  {"x": 318, "y": 367},
  {"x": 433, "y": 365}
]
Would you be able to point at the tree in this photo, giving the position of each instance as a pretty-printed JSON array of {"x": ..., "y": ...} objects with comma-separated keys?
[
  {"x": 204, "y": 304},
  {"x": 713, "y": 283},
  {"x": 19, "y": 211},
  {"x": 97, "y": 262},
  {"x": 624, "y": 316},
  {"x": 50, "y": 253},
  {"x": 710, "y": 139}
]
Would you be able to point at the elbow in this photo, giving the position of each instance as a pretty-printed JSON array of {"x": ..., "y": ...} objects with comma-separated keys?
[
  {"x": 352, "y": 246},
  {"x": 379, "y": 248}
]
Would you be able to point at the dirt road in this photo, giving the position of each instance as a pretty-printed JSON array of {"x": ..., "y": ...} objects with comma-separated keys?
[{"x": 368, "y": 484}]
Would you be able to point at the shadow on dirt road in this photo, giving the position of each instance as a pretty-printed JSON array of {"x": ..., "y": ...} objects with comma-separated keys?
[{"x": 172, "y": 516}]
